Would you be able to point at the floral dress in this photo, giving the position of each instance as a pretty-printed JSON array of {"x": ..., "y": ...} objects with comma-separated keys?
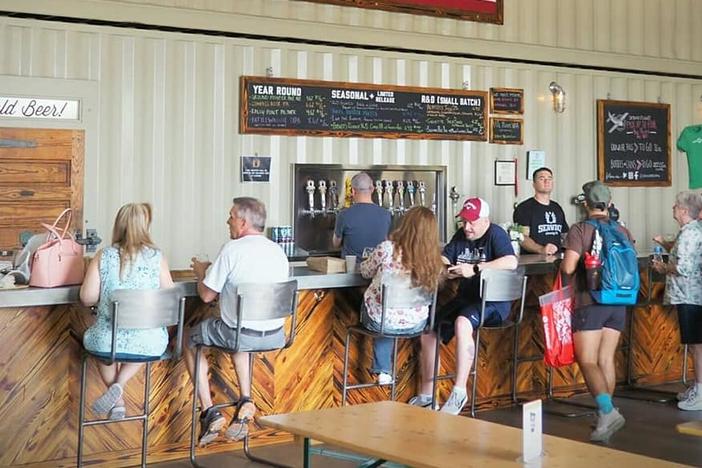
[
  {"x": 383, "y": 268},
  {"x": 143, "y": 273},
  {"x": 686, "y": 255}
]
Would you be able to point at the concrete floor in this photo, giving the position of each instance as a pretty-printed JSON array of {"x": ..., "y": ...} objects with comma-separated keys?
[{"x": 650, "y": 431}]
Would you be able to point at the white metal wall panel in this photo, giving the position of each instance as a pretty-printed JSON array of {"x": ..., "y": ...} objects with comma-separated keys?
[
  {"x": 168, "y": 124},
  {"x": 652, "y": 28}
]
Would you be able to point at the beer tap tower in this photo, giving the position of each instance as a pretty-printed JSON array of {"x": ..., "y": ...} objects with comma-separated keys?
[{"x": 317, "y": 200}]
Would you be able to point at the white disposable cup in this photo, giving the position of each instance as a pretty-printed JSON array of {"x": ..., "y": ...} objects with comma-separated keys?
[
  {"x": 350, "y": 263},
  {"x": 202, "y": 257}
]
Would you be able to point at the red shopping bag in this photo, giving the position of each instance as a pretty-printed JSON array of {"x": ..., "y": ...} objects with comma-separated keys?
[{"x": 556, "y": 309}]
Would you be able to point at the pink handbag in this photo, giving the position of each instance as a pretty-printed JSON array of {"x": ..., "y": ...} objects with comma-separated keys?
[{"x": 59, "y": 261}]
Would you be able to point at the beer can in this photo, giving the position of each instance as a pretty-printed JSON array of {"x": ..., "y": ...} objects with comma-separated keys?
[{"x": 275, "y": 233}]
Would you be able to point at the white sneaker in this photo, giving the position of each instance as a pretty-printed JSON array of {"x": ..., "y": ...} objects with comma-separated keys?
[
  {"x": 454, "y": 404},
  {"x": 422, "y": 400},
  {"x": 685, "y": 394},
  {"x": 693, "y": 401},
  {"x": 384, "y": 379},
  {"x": 607, "y": 424}
]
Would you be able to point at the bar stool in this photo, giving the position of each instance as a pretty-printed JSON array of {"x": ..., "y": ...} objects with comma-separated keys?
[
  {"x": 495, "y": 285},
  {"x": 395, "y": 294},
  {"x": 256, "y": 301},
  {"x": 140, "y": 309}
]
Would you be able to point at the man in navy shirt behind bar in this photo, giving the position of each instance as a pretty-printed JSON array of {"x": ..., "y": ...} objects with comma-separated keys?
[{"x": 489, "y": 247}]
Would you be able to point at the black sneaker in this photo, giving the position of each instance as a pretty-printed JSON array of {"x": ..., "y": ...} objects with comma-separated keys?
[{"x": 211, "y": 422}]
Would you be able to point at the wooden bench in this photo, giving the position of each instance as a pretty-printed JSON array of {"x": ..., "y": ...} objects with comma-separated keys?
[{"x": 418, "y": 437}]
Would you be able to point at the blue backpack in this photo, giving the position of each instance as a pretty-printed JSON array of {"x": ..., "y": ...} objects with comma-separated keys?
[{"x": 619, "y": 277}]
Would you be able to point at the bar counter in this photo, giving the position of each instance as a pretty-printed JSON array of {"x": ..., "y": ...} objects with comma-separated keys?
[{"x": 39, "y": 368}]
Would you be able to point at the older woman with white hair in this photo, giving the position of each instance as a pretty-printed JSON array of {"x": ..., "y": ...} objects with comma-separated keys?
[{"x": 683, "y": 285}]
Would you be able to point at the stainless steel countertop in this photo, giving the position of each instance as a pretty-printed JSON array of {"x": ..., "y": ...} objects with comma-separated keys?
[{"x": 307, "y": 279}]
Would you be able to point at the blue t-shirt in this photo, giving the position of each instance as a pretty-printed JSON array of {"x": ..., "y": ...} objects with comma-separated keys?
[
  {"x": 495, "y": 244},
  {"x": 362, "y": 225}
]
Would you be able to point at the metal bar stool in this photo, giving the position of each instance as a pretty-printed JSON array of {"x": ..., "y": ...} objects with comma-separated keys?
[
  {"x": 399, "y": 293},
  {"x": 256, "y": 301},
  {"x": 495, "y": 285},
  {"x": 140, "y": 309}
]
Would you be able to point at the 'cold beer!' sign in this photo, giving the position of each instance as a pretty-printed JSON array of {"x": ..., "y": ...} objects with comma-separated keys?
[{"x": 35, "y": 108}]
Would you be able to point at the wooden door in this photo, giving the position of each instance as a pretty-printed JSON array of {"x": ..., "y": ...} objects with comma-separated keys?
[{"x": 41, "y": 174}]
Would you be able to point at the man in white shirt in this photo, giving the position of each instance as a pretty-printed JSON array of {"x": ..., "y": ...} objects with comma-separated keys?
[{"x": 249, "y": 257}]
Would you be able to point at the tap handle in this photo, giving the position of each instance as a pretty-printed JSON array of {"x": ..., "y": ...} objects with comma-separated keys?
[
  {"x": 323, "y": 194},
  {"x": 410, "y": 191},
  {"x": 333, "y": 194},
  {"x": 401, "y": 194},
  {"x": 310, "y": 194},
  {"x": 379, "y": 191}
]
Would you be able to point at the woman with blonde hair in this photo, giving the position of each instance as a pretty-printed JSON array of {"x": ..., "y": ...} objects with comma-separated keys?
[
  {"x": 131, "y": 262},
  {"x": 410, "y": 258}
]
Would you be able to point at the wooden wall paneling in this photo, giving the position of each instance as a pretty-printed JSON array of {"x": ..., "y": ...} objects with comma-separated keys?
[{"x": 39, "y": 364}]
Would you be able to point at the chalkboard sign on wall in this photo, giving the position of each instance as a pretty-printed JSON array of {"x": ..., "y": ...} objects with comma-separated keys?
[
  {"x": 276, "y": 106},
  {"x": 633, "y": 143},
  {"x": 506, "y": 131},
  {"x": 506, "y": 100}
]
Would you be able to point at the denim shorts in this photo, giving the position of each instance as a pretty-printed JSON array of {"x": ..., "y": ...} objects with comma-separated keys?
[
  {"x": 460, "y": 307},
  {"x": 214, "y": 332}
]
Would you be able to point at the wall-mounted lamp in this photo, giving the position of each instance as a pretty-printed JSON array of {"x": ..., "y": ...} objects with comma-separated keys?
[
  {"x": 558, "y": 97},
  {"x": 269, "y": 72}
]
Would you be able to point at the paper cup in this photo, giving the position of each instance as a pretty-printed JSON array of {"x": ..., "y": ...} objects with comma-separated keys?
[{"x": 350, "y": 264}]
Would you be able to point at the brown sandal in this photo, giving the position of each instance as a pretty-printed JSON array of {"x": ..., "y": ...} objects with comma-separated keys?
[{"x": 239, "y": 428}]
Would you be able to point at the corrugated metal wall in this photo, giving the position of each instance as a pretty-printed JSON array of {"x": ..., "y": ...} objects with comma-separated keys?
[
  {"x": 649, "y": 28},
  {"x": 168, "y": 124}
]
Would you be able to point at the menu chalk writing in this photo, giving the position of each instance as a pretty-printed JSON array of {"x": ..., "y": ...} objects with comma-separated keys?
[
  {"x": 276, "y": 106},
  {"x": 506, "y": 101},
  {"x": 633, "y": 143},
  {"x": 506, "y": 131}
]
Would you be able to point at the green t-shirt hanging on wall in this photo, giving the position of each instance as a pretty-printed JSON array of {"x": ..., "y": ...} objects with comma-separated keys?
[{"x": 690, "y": 141}]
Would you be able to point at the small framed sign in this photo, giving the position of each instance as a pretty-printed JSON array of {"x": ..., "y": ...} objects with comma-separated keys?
[
  {"x": 506, "y": 131},
  {"x": 535, "y": 160},
  {"x": 505, "y": 172},
  {"x": 255, "y": 168},
  {"x": 506, "y": 100}
]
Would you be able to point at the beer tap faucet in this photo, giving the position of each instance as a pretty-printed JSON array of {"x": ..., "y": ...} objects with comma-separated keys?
[
  {"x": 454, "y": 196},
  {"x": 410, "y": 191},
  {"x": 379, "y": 191},
  {"x": 401, "y": 195},
  {"x": 389, "y": 193},
  {"x": 333, "y": 196},
  {"x": 310, "y": 196},
  {"x": 322, "y": 185},
  {"x": 422, "y": 189}
]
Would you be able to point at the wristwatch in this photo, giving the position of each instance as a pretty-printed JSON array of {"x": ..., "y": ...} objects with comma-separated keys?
[{"x": 476, "y": 268}]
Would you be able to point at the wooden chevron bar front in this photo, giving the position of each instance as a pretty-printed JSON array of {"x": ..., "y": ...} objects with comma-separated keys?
[{"x": 39, "y": 376}]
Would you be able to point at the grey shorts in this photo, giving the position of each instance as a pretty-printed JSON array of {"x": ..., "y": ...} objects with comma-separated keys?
[
  {"x": 598, "y": 316},
  {"x": 214, "y": 332}
]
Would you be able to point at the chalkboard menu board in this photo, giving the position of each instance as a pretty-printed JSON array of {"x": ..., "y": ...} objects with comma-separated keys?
[
  {"x": 506, "y": 101},
  {"x": 506, "y": 131},
  {"x": 276, "y": 106},
  {"x": 633, "y": 143}
]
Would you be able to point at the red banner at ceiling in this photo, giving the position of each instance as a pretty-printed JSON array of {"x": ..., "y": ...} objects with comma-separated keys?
[
  {"x": 486, "y": 11},
  {"x": 469, "y": 6}
]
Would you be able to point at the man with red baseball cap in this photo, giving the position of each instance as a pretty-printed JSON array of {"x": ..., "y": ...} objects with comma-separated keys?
[{"x": 479, "y": 245}]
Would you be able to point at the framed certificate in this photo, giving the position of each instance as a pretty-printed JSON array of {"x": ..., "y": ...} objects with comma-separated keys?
[{"x": 505, "y": 172}]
